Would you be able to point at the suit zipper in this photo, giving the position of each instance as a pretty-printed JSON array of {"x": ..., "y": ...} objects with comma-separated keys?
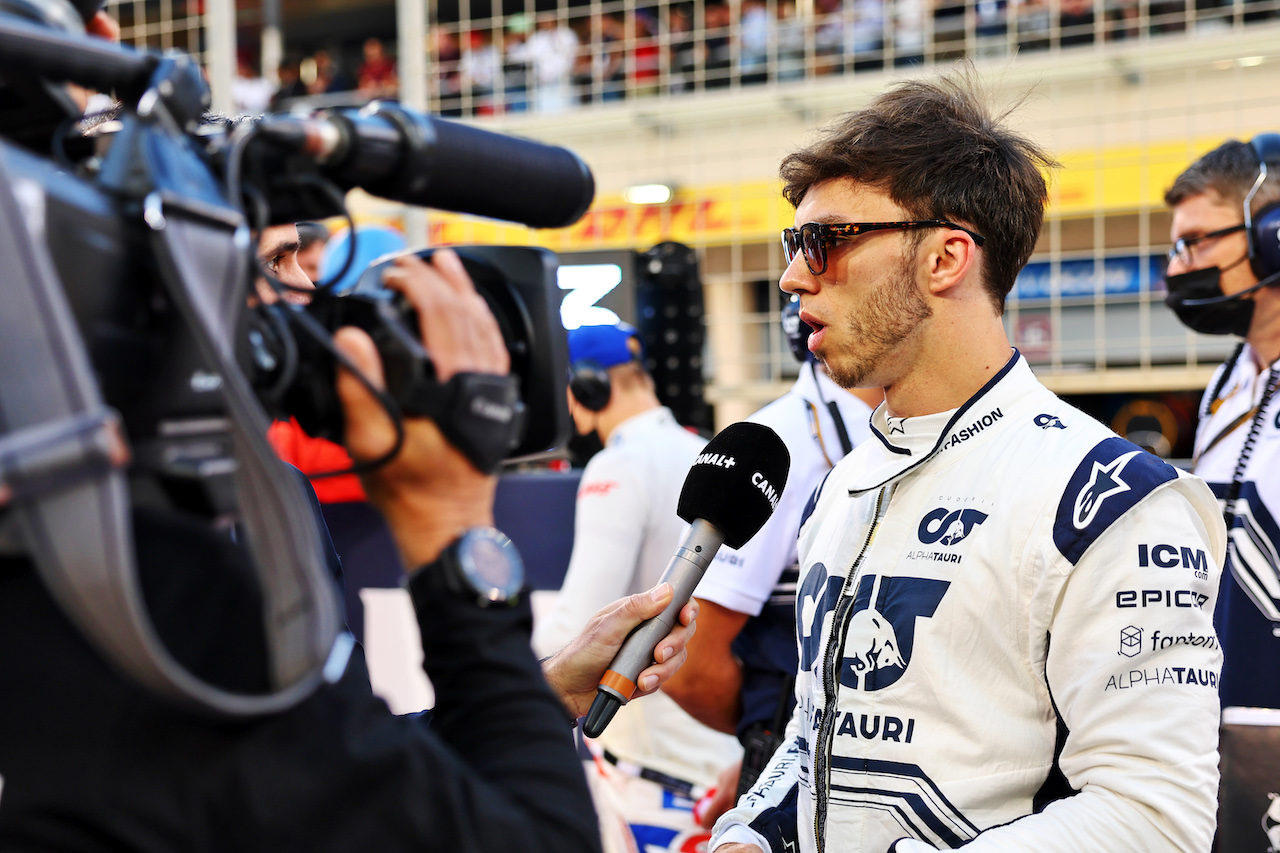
[{"x": 831, "y": 685}]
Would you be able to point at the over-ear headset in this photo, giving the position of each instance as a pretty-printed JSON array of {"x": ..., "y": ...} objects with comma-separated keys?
[
  {"x": 1263, "y": 228},
  {"x": 589, "y": 384}
]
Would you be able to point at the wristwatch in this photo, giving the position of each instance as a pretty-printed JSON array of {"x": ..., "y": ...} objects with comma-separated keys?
[{"x": 481, "y": 565}]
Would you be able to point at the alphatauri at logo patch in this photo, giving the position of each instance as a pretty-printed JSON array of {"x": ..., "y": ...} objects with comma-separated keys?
[
  {"x": 879, "y": 628},
  {"x": 948, "y": 527}
]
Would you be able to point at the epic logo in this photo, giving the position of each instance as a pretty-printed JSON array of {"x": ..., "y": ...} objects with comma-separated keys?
[
  {"x": 1160, "y": 598},
  {"x": 949, "y": 528}
]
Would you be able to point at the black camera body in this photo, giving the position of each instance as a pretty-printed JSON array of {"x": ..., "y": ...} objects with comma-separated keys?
[{"x": 519, "y": 285}]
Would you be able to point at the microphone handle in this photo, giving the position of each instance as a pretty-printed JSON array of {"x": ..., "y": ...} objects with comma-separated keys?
[{"x": 683, "y": 573}]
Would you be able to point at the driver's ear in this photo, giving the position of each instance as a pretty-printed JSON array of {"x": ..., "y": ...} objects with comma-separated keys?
[{"x": 949, "y": 257}]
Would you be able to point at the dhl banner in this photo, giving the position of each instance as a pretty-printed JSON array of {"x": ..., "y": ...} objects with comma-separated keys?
[
  {"x": 1110, "y": 180},
  {"x": 711, "y": 214}
]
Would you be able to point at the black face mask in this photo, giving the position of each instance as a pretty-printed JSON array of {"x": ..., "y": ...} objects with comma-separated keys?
[{"x": 1222, "y": 315}]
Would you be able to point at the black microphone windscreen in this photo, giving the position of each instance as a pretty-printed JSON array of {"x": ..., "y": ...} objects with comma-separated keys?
[
  {"x": 736, "y": 481},
  {"x": 505, "y": 177}
]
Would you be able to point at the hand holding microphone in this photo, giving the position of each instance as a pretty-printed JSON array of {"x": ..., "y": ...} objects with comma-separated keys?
[{"x": 728, "y": 495}]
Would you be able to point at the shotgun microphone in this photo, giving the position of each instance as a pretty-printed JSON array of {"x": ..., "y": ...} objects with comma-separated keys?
[{"x": 728, "y": 495}]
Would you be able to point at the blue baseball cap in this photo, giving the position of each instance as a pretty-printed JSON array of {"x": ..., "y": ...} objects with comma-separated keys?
[{"x": 607, "y": 346}]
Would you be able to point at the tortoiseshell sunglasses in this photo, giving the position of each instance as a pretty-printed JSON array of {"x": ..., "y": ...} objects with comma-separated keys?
[{"x": 815, "y": 237}]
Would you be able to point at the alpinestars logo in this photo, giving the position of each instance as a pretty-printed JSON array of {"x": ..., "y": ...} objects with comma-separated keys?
[
  {"x": 1103, "y": 483},
  {"x": 881, "y": 630},
  {"x": 897, "y": 426}
]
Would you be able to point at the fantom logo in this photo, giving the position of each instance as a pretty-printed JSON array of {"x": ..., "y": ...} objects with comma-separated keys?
[
  {"x": 1130, "y": 641},
  {"x": 949, "y": 527}
]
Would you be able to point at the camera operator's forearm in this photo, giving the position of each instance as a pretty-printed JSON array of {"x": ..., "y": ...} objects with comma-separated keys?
[
  {"x": 494, "y": 710},
  {"x": 429, "y": 492},
  {"x": 423, "y": 524}
]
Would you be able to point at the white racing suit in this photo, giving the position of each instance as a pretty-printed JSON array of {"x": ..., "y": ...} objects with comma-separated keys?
[{"x": 1006, "y": 643}]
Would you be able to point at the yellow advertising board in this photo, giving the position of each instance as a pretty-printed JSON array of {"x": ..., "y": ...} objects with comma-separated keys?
[{"x": 1112, "y": 180}]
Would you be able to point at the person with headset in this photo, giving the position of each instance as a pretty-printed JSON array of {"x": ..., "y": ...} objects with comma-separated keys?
[
  {"x": 742, "y": 662},
  {"x": 625, "y": 532},
  {"x": 1224, "y": 268}
]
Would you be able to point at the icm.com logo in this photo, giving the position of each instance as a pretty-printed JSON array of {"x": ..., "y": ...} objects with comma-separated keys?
[{"x": 1172, "y": 556}]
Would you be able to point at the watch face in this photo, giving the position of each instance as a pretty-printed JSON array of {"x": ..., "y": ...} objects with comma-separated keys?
[{"x": 491, "y": 564}]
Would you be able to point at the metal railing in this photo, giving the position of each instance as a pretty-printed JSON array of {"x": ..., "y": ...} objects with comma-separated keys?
[{"x": 603, "y": 52}]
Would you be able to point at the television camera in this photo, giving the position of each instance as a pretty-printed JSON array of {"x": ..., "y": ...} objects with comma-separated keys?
[{"x": 134, "y": 369}]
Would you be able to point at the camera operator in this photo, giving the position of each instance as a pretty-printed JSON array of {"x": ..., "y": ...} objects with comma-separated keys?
[{"x": 91, "y": 761}]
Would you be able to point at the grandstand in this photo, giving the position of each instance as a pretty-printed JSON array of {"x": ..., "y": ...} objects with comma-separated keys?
[{"x": 706, "y": 97}]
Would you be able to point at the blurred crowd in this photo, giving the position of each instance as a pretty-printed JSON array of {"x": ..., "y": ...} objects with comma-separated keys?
[
  {"x": 552, "y": 62},
  {"x": 318, "y": 75}
]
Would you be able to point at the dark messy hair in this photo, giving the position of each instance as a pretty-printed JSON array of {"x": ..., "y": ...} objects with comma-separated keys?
[
  {"x": 934, "y": 148},
  {"x": 1227, "y": 171}
]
